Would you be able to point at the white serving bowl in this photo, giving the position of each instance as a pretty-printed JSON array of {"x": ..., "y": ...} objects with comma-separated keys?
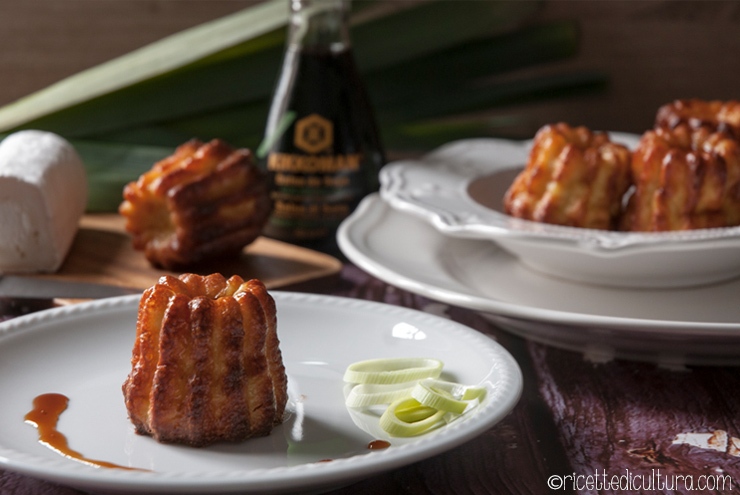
[{"x": 459, "y": 188}]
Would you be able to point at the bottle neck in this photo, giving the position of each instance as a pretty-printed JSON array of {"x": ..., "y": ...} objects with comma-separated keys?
[{"x": 320, "y": 25}]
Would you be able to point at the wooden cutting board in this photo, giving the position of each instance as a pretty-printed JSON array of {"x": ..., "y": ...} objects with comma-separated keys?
[{"x": 102, "y": 252}]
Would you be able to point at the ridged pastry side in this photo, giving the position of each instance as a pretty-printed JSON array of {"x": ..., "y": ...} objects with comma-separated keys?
[
  {"x": 685, "y": 178},
  {"x": 204, "y": 200},
  {"x": 713, "y": 115},
  {"x": 206, "y": 363},
  {"x": 275, "y": 366},
  {"x": 573, "y": 177}
]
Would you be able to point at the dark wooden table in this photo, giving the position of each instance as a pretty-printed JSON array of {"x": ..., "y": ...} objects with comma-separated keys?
[{"x": 580, "y": 427}]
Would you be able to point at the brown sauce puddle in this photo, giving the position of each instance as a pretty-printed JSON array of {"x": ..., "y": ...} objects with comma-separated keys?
[{"x": 45, "y": 415}]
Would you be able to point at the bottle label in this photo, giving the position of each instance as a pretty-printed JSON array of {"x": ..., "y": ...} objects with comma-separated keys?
[
  {"x": 311, "y": 168},
  {"x": 313, "y": 134},
  {"x": 315, "y": 191}
]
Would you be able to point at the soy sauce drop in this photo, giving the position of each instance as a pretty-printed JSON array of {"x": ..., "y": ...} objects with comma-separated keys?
[{"x": 378, "y": 445}]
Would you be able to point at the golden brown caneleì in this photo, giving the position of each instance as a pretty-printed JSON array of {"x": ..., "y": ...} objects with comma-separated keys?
[
  {"x": 205, "y": 200},
  {"x": 685, "y": 178},
  {"x": 206, "y": 364},
  {"x": 573, "y": 177},
  {"x": 713, "y": 115}
]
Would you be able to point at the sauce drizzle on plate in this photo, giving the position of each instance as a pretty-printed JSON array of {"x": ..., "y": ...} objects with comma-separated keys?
[{"x": 45, "y": 415}]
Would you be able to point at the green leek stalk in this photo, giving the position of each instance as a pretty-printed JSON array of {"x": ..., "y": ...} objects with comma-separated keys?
[{"x": 425, "y": 63}]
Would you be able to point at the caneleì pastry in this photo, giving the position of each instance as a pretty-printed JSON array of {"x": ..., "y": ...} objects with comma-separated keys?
[
  {"x": 685, "y": 178},
  {"x": 205, "y": 200},
  {"x": 683, "y": 175},
  {"x": 206, "y": 362},
  {"x": 573, "y": 177}
]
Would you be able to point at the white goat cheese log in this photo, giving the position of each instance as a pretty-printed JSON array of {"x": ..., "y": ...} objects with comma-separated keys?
[{"x": 43, "y": 194}]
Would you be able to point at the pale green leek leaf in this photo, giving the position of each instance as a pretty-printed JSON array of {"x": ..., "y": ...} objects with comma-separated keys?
[
  {"x": 507, "y": 91},
  {"x": 110, "y": 167},
  {"x": 174, "y": 52},
  {"x": 455, "y": 68},
  {"x": 426, "y": 65},
  {"x": 238, "y": 68},
  {"x": 432, "y": 80},
  {"x": 432, "y": 26}
]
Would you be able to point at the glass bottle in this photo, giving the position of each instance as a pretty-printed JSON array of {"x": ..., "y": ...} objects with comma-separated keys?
[{"x": 322, "y": 146}]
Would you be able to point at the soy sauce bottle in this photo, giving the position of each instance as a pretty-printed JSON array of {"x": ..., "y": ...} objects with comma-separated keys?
[{"x": 322, "y": 147}]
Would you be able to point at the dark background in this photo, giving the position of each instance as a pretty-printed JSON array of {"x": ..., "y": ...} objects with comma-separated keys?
[{"x": 652, "y": 51}]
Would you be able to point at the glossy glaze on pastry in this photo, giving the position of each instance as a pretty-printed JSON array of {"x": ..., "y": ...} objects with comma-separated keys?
[
  {"x": 685, "y": 178},
  {"x": 206, "y": 362},
  {"x": 205, "y": 200},
  {"x": 713, "y": 115},
  {"x": 573, "y": 177}
]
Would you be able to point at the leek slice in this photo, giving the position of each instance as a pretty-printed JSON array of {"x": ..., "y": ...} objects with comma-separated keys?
[
  {"x": 141, "y": 67},
  {"x": 393, "y": 370},
  {"x": 408, "y": 418},
  {"x": 369, "y": 394},
  {"x": 419, "y": 401},
  {"x": 446, "y": 396}
]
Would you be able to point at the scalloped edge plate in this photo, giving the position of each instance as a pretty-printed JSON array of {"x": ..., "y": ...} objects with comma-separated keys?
[
  {"x": 84, "y": 351},
  {"x": 459, "y": 187},
  {"x": 699, "y": 325}
]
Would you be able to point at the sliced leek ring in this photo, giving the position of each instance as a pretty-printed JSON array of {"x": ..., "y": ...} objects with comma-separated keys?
[
  {"x": 446, "y": 396},
  {"x": 408, "y": 418},
  {"x": 419, "y": 400},
  {"x": 393, "y": 370},
  {"x": 371, "y": 394}
]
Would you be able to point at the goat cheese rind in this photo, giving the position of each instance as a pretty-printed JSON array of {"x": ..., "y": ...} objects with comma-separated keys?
[{"x": 43, "y": 194}]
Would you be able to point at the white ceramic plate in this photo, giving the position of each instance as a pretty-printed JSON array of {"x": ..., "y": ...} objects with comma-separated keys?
[
  {"x": 459, "y": 189},
  {"x": 699, "y": 325},
  {"x": 84, "y": 351}
]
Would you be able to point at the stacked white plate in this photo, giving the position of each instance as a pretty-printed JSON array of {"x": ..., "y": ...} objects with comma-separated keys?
[{"x": 437, "y": 229}]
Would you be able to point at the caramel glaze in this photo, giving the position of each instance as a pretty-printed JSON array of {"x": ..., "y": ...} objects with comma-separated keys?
[{"x": 45, "y": 415}]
